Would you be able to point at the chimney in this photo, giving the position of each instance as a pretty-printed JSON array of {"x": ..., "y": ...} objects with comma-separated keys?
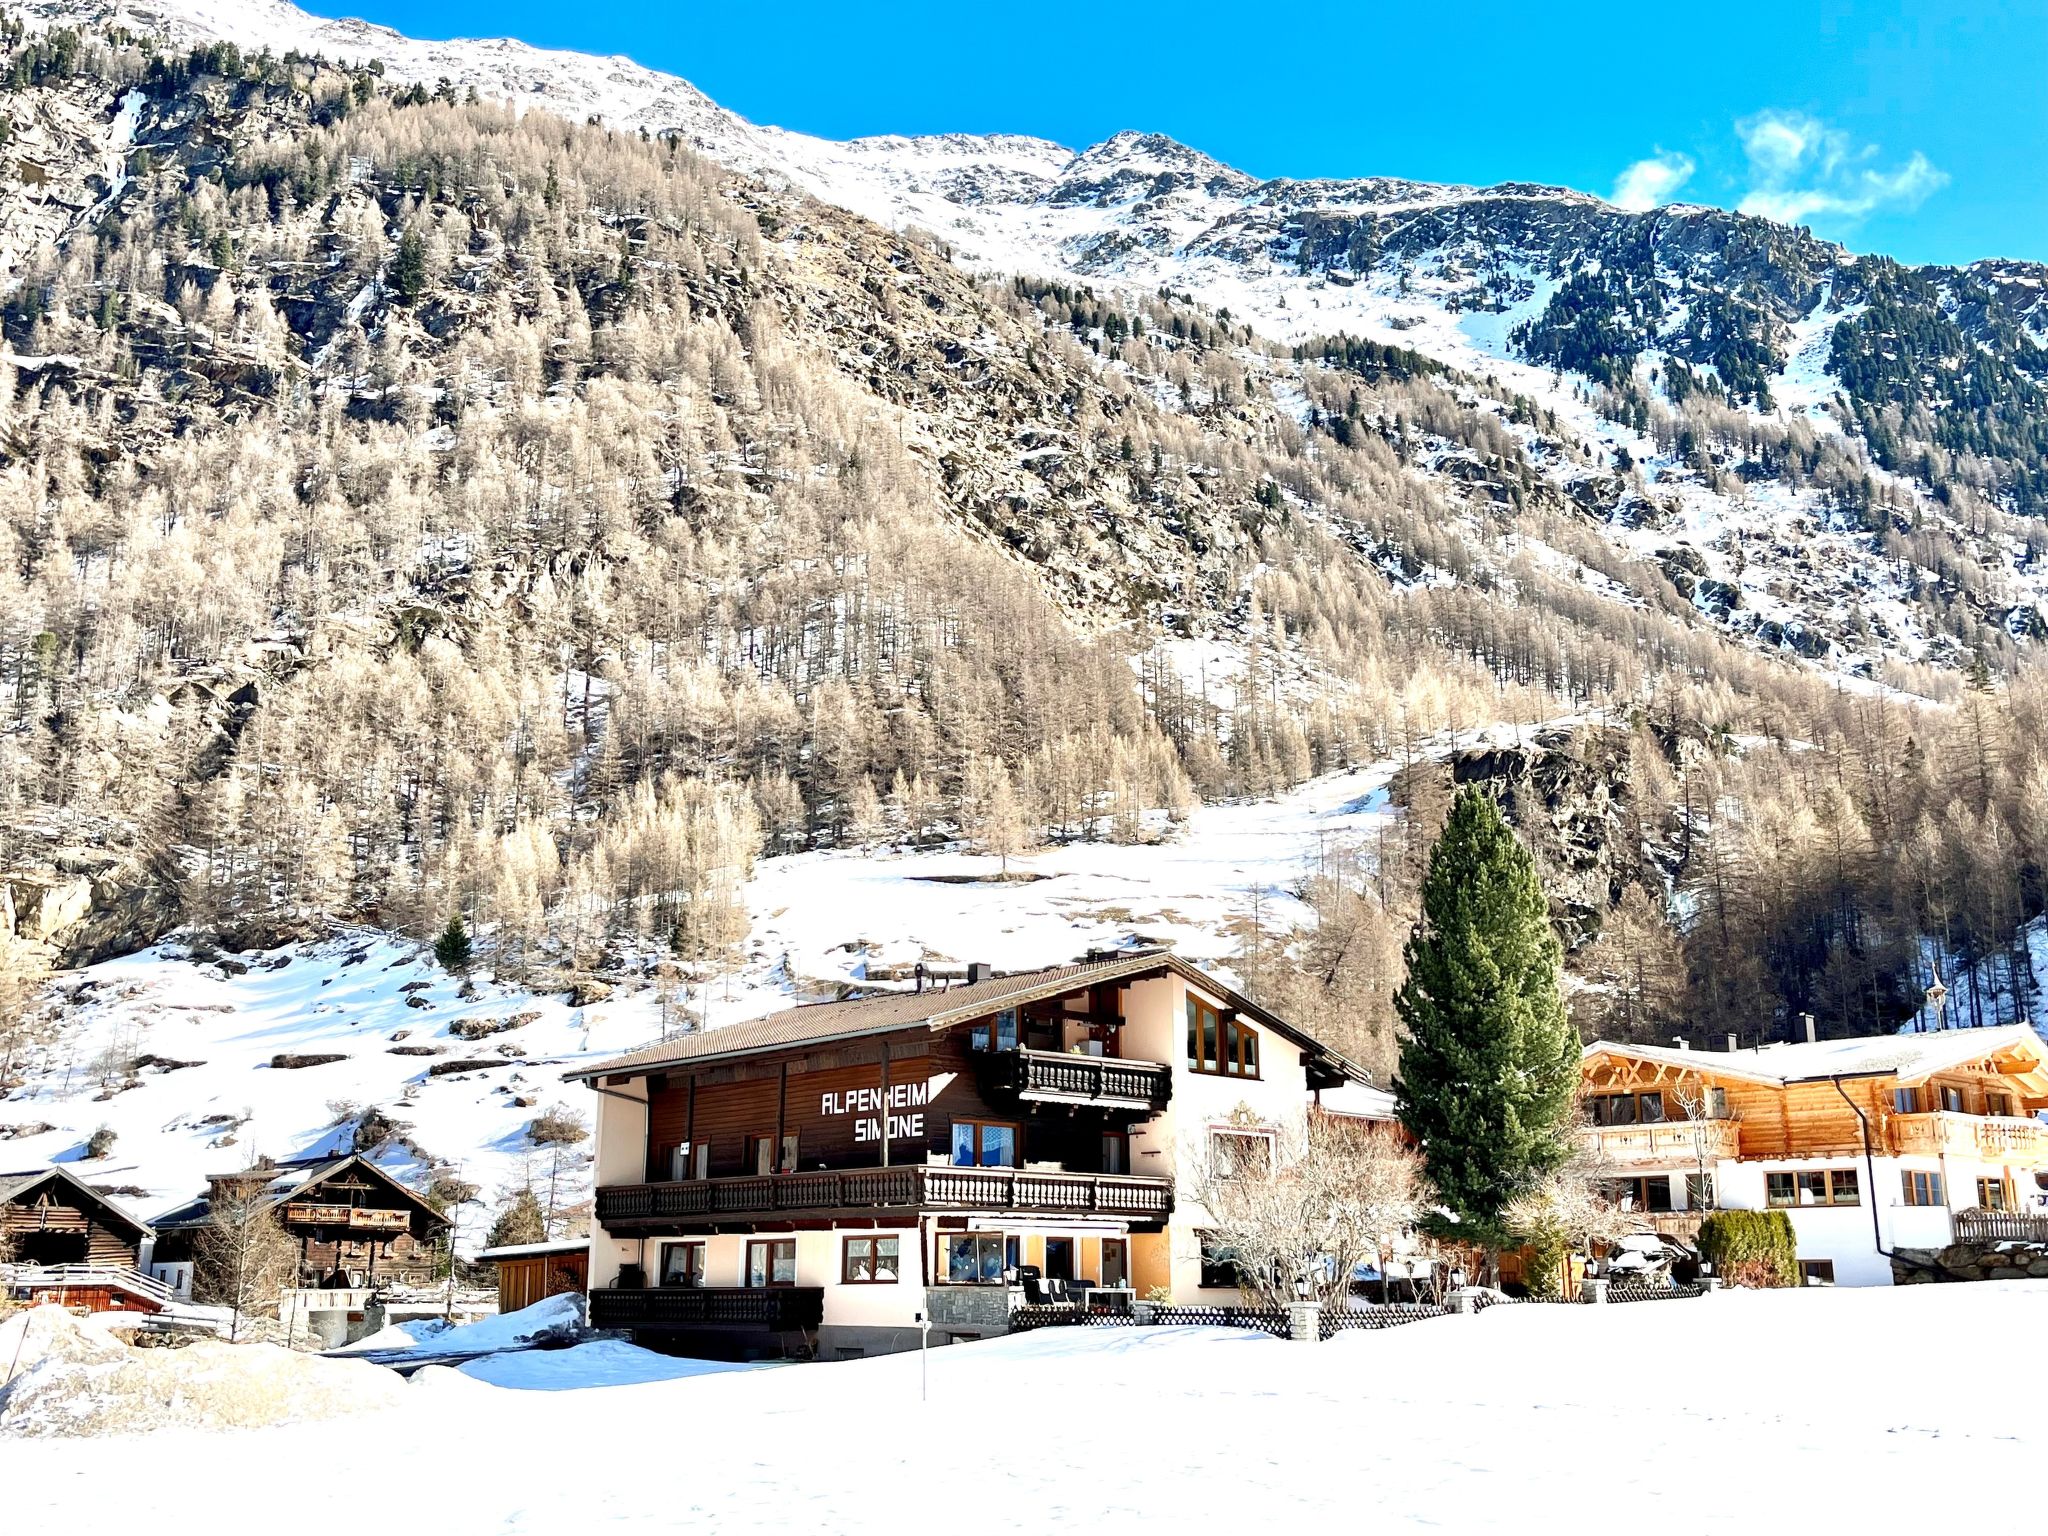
[
  {"x": 920, "y": 975},
  {"x": 1734, "y": 1044},
  {"x": 1807, "y": 1020},
  {"x": 979, "y": 970},
  {"x": 1681, "y": 1042}
]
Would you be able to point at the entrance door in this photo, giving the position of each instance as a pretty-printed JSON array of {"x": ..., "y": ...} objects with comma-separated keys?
[
  {"x": 1059, "y": 1258},
  {"x": 1116, "y": 1263}
]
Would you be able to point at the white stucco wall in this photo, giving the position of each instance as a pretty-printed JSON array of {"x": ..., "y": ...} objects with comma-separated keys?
[{"x": 619, "y": 1145}]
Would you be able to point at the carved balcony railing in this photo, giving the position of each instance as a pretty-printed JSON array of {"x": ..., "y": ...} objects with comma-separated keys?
[{"x": 909, "y": 1188}]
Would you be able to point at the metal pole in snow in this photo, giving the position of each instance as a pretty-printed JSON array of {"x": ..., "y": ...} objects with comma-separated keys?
[{"x": 924, "y": 1356}]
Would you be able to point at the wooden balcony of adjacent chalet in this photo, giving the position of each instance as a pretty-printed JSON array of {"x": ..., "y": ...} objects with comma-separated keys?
[
  {"x": 853, "y": 1191},
  {"x": 357, "y": 1218},
  {"x": 1062, "y": 1077},
  {"x": 767, "y": 1309},
  {"x": 1664, "y": 1143},
  {"x": 1989, "y": 1137}
]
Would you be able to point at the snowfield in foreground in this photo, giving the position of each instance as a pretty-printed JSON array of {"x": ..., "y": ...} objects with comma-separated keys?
[{"x": 1737, "y": 1412}]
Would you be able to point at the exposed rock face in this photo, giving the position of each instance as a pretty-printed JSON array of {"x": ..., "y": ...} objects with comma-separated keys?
[{"x": 86, "y": 905}]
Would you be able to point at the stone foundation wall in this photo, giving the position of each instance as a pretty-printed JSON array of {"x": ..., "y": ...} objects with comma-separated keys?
[{"x": 1970, "y": 1261}]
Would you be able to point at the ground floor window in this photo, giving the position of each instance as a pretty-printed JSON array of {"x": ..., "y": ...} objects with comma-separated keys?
[
  {"x": 1219, "y": 1261},
  {"x": 1923, "y": 1188},
  {"x": 1699, "y": 1191},
  {"x": 1825, "y": 1186},
  {"x": 1816, "y": 1271},
  {"x": 771, "y": 1262},
  {"x": 682, "y": 1264},
  {"x": 870, "y": 1261},
  {"x": 972, "y": 1258},
  {"x": 1994, "y": 1195},
  {"x": 1059, "y": 1258}
]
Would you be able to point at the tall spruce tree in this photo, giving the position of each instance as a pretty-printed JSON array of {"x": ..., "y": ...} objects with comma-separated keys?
[{"x": 1490, "y": 1063}]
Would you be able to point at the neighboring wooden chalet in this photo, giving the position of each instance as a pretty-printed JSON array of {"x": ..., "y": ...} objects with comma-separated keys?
[
  {"x": 1871, "y": 1143},
  {"x": 532, "y": 1272},
  {"x": 68, "y": 1242},
  {"x": 821, "y": 1177},
  {"x": 357, "y": 1227}
]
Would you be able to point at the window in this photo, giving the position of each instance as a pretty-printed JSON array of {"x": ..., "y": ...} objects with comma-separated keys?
[
  {"x": 1219, "y": 1261},
  {"x": 1997, "y": 1104},
  {"x": 1116, "y": 1152},
  {"x": 1699, "y": 1191},
  {"x": 771, "y": 1262},
  {"x": 690, "y": 1162},
  {"x": 1234, "y": 1154},
  {"x": 1993, "y": 1195},
  {"x": 1906, "y": 1101},
  {"x": 1626, "y": 1108},
  {"x": 1717, "y": 1103},
  {"x": 1923, "y": 1188},
  {"x": 760, "y": 1154},
  {"x": 999, "y": 1033},
  {"x": 1646, "y": 1194},
  {"x": 972, "y": 1258},
  {"x": 1816, "y": 1271},
  {"x": 1952, "y": 1100},
  {"x": 682, "y": 1264},
  {"x": 984, "y": 1144},
  {"x": 1827, "y": 1186},
  {"x": 870, "y": 1261},
  {"x": 1220, "y": 1042}
]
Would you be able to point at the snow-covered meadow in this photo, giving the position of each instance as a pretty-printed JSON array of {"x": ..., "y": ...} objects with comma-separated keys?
[{"x": 1739, "y": 1412}]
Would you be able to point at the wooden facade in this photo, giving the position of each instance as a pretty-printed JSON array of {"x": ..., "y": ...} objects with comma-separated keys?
[
  {"x": 526, "y": 1277},
  {"x": 356, "y": 1227},
  {"x": 50, "y": 1218}
]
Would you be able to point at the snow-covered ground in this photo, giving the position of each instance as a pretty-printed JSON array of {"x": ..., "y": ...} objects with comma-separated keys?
[{"x": 1741, "y": 1412}]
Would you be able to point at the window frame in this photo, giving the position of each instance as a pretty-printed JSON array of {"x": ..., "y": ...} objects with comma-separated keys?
[
  {"x": 1208, "y": 1239},
  {"x": 981, "y": 1124},
  {"x": 2002, "y": 1187},
  {"x": 1236, "y": 1048},
  {"x": 1915, "y": 1182},
  {"x": 1811, "y": 1273},
  {"x": 1121, "y": 1142},
  {"x": 849, "y": 1270},
  {"x": 943, "y": 1268},
  {"x": 662, "y": 1280},
  {"x": 1260, "y": 1163},
  {"x": 1828, "y": 1178},
  {"x": 769, "y": 1284}
]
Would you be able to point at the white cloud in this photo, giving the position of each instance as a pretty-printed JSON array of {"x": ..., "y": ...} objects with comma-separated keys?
[
  {"x": 1651, "y": 182},
  {"x": 1801, "y": 169}
]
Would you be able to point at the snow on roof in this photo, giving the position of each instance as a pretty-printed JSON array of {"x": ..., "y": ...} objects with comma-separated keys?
[
  {"x": 533, "y": 1250},
  {"x": 1359, "y": 1099},
  {"x": 1909, "y": 1056}
]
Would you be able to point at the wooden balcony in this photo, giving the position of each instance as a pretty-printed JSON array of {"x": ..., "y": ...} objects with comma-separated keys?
[
  {"x": 851, "y": 1191},
  {"x": 766, "y": 1309},
  {"x": 1664, "y": 1144},
  {"x": 1993, "y": 1138},
  {"x": 308, "y": 1213},
  {"x": 1057, "y": 1077}
]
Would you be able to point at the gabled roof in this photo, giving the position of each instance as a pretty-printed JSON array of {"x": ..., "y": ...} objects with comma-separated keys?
[
  {"x": 935, "y": 1009},
  {"x": 1911, "y": 1058},
  {"x": 534, "y": 1250},
  {"x": 288, "y": 1180},
  {"x": 14, "y": 1186}
]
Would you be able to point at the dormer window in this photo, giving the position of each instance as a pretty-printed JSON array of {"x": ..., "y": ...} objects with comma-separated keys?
[{"x": 1220, "y": 1042}]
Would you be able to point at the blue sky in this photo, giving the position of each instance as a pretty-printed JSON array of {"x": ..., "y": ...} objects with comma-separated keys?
[{"x": 1916, "y": 129}]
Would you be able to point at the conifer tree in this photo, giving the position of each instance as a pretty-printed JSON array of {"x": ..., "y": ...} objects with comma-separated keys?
[
  {"x": 453, "y": 948},
  {"x": 1490, "y": 1063}
]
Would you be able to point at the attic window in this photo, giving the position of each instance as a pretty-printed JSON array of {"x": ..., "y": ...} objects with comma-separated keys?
[{"x": 1220, "y": 1042}]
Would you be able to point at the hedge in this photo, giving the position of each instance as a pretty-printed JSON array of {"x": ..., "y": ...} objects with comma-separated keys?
[{"x": 1753, "y": 1248}]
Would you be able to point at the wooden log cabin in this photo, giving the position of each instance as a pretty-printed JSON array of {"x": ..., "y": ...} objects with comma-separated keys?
[
  {"x": 819, "y": 1179},
  {"x": 1870, "y": 1144},
  {"x": 356, "y": 1226},
  {"x": 68, "y": 1242}
]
